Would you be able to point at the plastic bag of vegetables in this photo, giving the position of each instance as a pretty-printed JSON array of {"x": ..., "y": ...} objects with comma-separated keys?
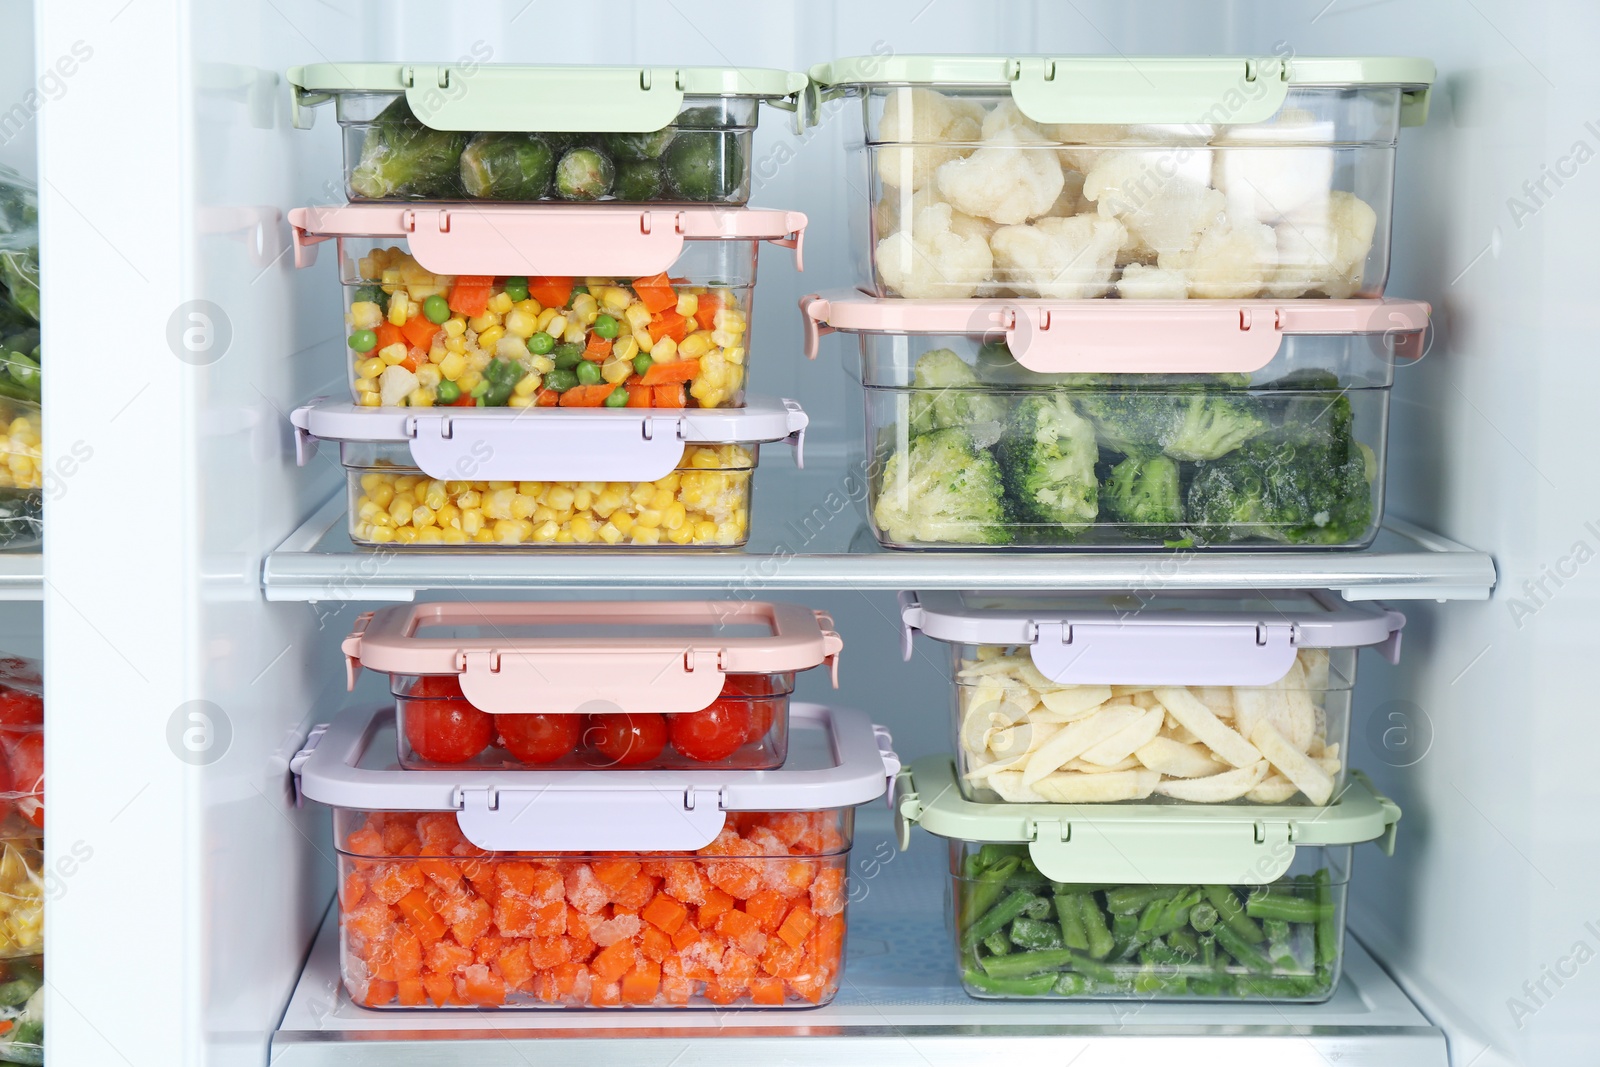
[{"x": 19, "y": 244}]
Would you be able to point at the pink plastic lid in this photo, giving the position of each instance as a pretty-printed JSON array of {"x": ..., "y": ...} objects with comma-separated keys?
[
  {"x": 544, "y": 239},
  {"x": 608, "y": 656},
  {"x": 1120, "y": 336}
]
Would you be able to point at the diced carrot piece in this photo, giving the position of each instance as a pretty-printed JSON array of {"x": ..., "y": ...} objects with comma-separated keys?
[
  {"x": 613, "y": 961},
  {"x": 394, "y": 881},
  {"x": 668, "y": 396},
  {"x": 656, "y": 868},
  {"x": 427, "y": 924},
  {"x": 640, "y": 396},
  {"x": 550, "y": 919},
  {"x": 635, "y": 894},
  {"x": 546, "y": 952},
  {"x": 684, "y": 370},
  {"x": 545, "y": 398},
  {"x": 687, "y": 935},
  {"x": 551, "y": 292},
  {"x": 797, "y": 926},
  {"x": 827, "y": 942},
  {"x": 605, "y": 994},
  {"x": 614, "y": 873},
  {"x": 742, "y": 930},
  {"x": 419, "y": 332},
  {"x": 441, "y": 988},
  {"x": 717, "y": 993},
  {"x": 355, "y": 885},
  {"x": 676, "y": 990},
  {"x": 470, "y": 295},
  {"x": 516, "y": 877},
  {"x": 665, "y": 912},
  {"x": 587, "y": 396},
  {"x": 639, "y": 985},
  {"x": 654, "y": 945},
  {"x": 598, "y": 349},
  {"x": 705, "y": 312},
  {"x": 567, "y": 976},
  {"x": 388, "y": 334},
  {"x": 739, "y": 878},
  {"x": 441, "y": 873},
  {"x": 716, "y": 903},
  {"x": 475, "y": 925},
  {"x": 737, "y": 970},
  {"x": 827, "y": 891},
  {"x": 487, "y": 948},
  {"x": 782, "y": 960},
  {"x": 447, "y": 957},
  {"x": 380, "y": 993},
  {"x": 767, "y": 908},
  {"x": 655, "y": 292},
  {"x": 766, "y": 991},
  {"x": 668, "y": 324},
  {"x": 479, "y": 985},
  {"x": 810, "y": 985},
  {"x": 407, "y": 954},
  {"x": 516, "y": 966},
  {"x": 515, "y": 915},
  {"x": 411, "y": 993}
]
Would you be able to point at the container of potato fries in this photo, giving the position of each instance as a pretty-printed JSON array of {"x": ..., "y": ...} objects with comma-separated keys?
[{"x": 1188, "y": 698}]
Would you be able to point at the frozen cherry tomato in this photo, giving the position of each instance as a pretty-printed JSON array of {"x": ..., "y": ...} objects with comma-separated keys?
[
  {"x": 712, "y": 733},
  {"x": 750, "y": 685},
  {"x": 25, "y": 756},
  {"x": 446, "y": 730},
  {"x": 539, "y": 738},
  {"x": 761, "y": 715},
  {"x": 20, "y": 708},
  {"x": 436, "y": 685},
  {"x": 627, "y": 740}
]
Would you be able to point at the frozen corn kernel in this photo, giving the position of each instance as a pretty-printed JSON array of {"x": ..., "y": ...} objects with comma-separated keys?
[
  {"x": 500, "y": 303},
  {"x": 555, "y": 326},
  {"x": 664, "y": 350},
  {"x": 585, "y": 307},
  {"x": 399, "y": 309},
  {"x": 395, "y": 353},
  {"x": 687, "y": 304},
  {"x": 487, "y": 339},
  {"x": 478, "y": 323},
  {"x": 366, "y": 315},
  {"x": 455, "y": 326},
  {"x": 520, "y": 324}
]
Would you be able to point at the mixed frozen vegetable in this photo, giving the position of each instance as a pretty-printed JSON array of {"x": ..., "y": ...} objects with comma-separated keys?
[
  {"x": 22, "y": 1011},
  {"x": 699, "y": 157},
  {"x": 706, "y": 501},
  {"x": 19, "y": 250},
  {"x": 1025, "y": 738},
  {"x": 1019, "y": 934},
  {"x": 756, "y": 917},
  {"x": 21, "y": 892},
  {"x": 982, "y": 201},
  {"x": 1180, "y": 460},
  {"x": 423, "y": 340},
  {"x": 745, "y": 728}
]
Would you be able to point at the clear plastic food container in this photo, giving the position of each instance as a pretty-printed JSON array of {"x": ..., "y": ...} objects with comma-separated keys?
[
  {"x": 475, "y": 131},
  {"x": 22, "y": 1007},
  {"x": 502, "y": 478},
  {"x": 1121, "y": 424},
  {"x": 574, "y": 889},
  {"x": 21, "y": 774},
  {"x": 635, "y": 685},
  {"x": 1147, "y": 903},
  {"x": 1191, "y": 698},
  {"x": 1146, "y": 177},
  {"x": 21, "y": 473},
  {"x": 546, "y": 306}
]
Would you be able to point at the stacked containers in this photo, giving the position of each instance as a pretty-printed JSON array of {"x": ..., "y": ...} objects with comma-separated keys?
[
  {"x": 633, "y": 294},
  {"x": 22, "y": 869},
  {"x": 1005, "y": 406},
  {"x": 583, "y": 804},
  {"x": 1210, "y": 731}
]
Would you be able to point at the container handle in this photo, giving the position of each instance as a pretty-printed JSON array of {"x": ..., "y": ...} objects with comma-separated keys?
[
  {"x": 1391, "y": 814},
  {"x": 1136, "y": 653},
  {"x": 813, "y": 322},
  {"x": 1085, "y": 850},
  {"x": 1175, "y": 338},
  {"x": 472, "y": 97},
  {"x": 617, "y": 243},
  {"x": 571, "y": 681},
  {"x": 351, "y": 647},
  {"x": 590, "y": 820},
  {"x": 557, "y": 450},
  {"x": 1137, "y": 90}
]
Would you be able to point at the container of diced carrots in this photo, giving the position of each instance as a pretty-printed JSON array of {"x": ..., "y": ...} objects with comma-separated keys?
[
  {"x": 653, "y": 889},
  {"x": 538, "y": 306}
]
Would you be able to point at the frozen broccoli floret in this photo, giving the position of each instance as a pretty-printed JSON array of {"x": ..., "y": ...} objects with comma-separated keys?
[
  {"x": 1279, "y": 491},
  {"x": 403, "y": 158},
  {"x": 1135, "y": 422},
  {"x": 1209, "y": 426},
  {"x": 507, "y": 166},
  {"x": 942, "y": 488},
  {"x": 584, "y": 174},
  {"x": 946, "y": 392},
  {"x": 1144, "y": 491},
  {"x": 1047, "y": 456}
]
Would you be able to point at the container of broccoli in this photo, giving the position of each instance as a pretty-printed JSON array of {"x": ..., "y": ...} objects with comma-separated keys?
[{"x": 528, "y": 134}]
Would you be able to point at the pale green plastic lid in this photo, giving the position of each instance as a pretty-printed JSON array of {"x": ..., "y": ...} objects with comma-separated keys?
[
  {"x": 490, "y": 97},
  {"x": 1154, "y": 844},
  {"x": 1136, "y": 90}
]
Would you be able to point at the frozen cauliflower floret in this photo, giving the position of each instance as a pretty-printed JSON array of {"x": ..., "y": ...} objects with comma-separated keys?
[
  {"x": 1081, "y": 142},
  {"x": 1139, "y": 282},
  {"x": 1162, "y": 196},
  {"x": 895, "y": 205},
  {"x": 932, "y": 260},
  {"x": 1071, "y": 201},
  {"x": 1004, "y": 180},
  {"x": 395, "y": 384},
  {"x": 1324, "y": 249},
  {"x": 1007, "y": 116},
  {"x": 923, "y": 118},
  {"x": 1231, "y": 261},
  {"x": 1060, "y": 259}
]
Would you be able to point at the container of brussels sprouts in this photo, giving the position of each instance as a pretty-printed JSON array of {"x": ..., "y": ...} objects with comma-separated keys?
[
  {"x": 1145, "y": 903},
  {"x": 473, "y": 131},
  {"x": 1121, "y": 424},
  {"x": 546, "y": 305}
]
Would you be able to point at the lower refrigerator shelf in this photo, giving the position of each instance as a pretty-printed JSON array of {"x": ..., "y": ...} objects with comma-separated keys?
[{"x": 900, "y": 1005}]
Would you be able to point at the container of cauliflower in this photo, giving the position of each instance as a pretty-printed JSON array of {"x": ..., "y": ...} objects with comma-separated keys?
[
  {"x": 1208, "y": 698},
  {"x": 1141, "y": 178}
]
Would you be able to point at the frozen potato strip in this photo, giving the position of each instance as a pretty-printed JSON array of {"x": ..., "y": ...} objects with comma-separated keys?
[
  {"x": 1219, "y": 698},
  {"x": 1215, "y": 734},
  {"x": 1330, "y": 767},
  {"x": 1021, "y": 739},
  {"x": 1250, "y": 705},
  {"x": 1145, "y": 700},
  {"x": 1178, "y": 760},
  {"x": 1312, "y": 780},
  {"x": 1300, "y": 716},
  {"x": 1130, "y": 690},
  {"x": 1274, "y": 789},
  {"x": 1122, "y": 744},
  {"x": 1217, "y": 788},
  {"x": 1081, "y": 767},
  {"x": 1076, "y": 738},
  {"x": 1067, "y": 788},
  {"x": 1075, "y": 702},
  {"x": 1315, "y": 662},
  {"x": 1009, "y": 785}
]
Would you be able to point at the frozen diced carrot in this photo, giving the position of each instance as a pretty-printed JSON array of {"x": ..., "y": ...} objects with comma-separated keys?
[
  {"x": 407, "y": 954},
  {"x": 639, "y": 985},
  {"x": 395, "y": 880},
  {"x": 447, "y": 957},
  {"x": 738, "y": 878},
  {"x": 550, "y": 919},
  {"x": 715, "y": 904},
  {"x": 355, "y": 886},
  {"x": 605, "y": 994},
  {"x": 414, "y": 906},
  {"x": 790, "y": 826},
  {"x": 810, "y": 985},
  {"x": 411, "y": 993},
  {"x": 515, "y": 965},
  {"x": 797, "y": 926},
  {"x": 614, "y": 873},
  {"x": 635, "y": 893},
  {"x": 743, "y": 931},
  {"x": 655, "y": 292},
  {"x": 487, "y": 948},
  {"x": 613, "y": 961},
  {"x": 516, "y": 877},
  {"x": 705, "y": 313},
  {"x": 420, "y": 331},
  {"x": 474, "y": 925},
  {"x": 703, "y": 959},
  {"x": 548, "y": 886},
  {"x": 514, "y": 915},
  {"x": 767, "y": 907},
  {"x": 569, "y": 977},
  {"x": 364, "y": 842},
  {"x": 686, "y": 935},
  {"x": 827, "y": 891},
  {"x": 665, "y": 912},
  {"x": 441, "y": 988},
  {"x": 478, "y": 985},
  {"x": 782, "y": 960},
  {"x": 737, "y": 970},
  {"x": 399, "y": 837},
  {"x": 654, "y": 945},
  {"x": 766, "y": 991},
  {"x": 585, "y": 891},
  {"x": 789, "y": 877},
  {"x": 656, "y": 868},
  {"x": 380, "y": 993},
  {"x": 827, "y": 941},
  {"x": 442, "y": 873},
  {"x": 676, "y": 990},
  {"x": 370, "y": 919},
  {"x": 684, "y": 882},
  {"x": 546, "y": 952},
  {"x": 719, "y": 994}
]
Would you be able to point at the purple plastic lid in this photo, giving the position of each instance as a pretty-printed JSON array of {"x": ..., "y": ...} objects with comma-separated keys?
[{"x": 1169, "y": 638}]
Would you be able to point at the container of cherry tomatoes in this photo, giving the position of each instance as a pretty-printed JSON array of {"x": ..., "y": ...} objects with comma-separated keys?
[{"x": 589, "y": 686}]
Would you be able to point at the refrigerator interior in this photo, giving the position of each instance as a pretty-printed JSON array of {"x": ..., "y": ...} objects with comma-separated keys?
[{"x": 180, "y": 691}]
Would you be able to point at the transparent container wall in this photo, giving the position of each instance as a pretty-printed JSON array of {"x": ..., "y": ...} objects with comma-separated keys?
[
  {"x": 22, "y": 886},
  {"x": 703, "y": 156},
  {"x": 22, "y": 474},
  {"x": 746, "y": 728},
  {"x": 1005, "y": 712},
  {"x": 423, "y": 340},
  {"x": 755, "y": 919},
  {"x": 1019, "y": 934},
  {"x": 969, "y": 198},
  {"x": 705, "y": 502},
  {"x": 977, "y": 453}
]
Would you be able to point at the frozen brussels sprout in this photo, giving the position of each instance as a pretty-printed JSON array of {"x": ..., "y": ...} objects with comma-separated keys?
[
  {"x": 633, "y": 147},
  {"x": 584, "y": 174},
  {"x": 403, "y": 158},
  {"x": 639, "y": 180},
  {"x": 507, "y": 166},
  {"x": 703, "y": 165}
]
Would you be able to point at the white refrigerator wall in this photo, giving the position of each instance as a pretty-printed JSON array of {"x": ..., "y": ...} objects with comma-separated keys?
[{"x": 171, "y": 164}]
